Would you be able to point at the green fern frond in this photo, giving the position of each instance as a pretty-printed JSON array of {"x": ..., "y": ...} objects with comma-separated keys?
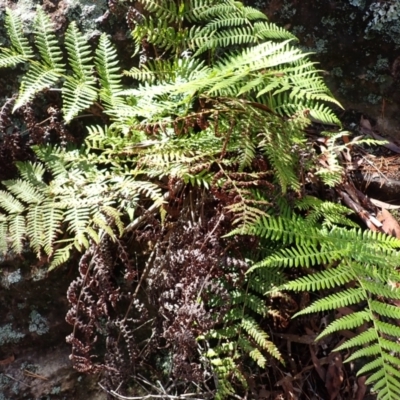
[
  {"x": 287, "y": 230},
  {"x": 78, "y": 217},
  {"x": 32, "y": 173},
  {"x": 249, "y": 300},
  {"x": 46, "y": 73},
  {"x": 10, "y": 59},
  {"x": 106, "y": 61},
  {"x": 46, "y": 41},
  {"x": 258, "y": 357},
  {"x": 17, "y": 232},
  {"x": 52, "y": 220},
  {"x": 61, "y": 256},
  {"x": 38, "y": 78},
  {"x": 327, "y": 279},
  {"x": 10, "y": 204},
  {"x": 363, "y": 338},
  {"x": 336, "y": 300},
  {"x": 351, "y": 321},
  {"x": 329, "y": 213},
  {"x": 15, "y": 31},
  {"x": 260, "y": 337},
  {"x": 79, "y": 91},
  {"x": 20, "y": 49},
  {"x": 24, "y": 191},
  {"x": 35, "y": 228},
  {"x": 3, "y": 234},
  {"x": 163, "y": 10},
  {"x": 386, "y": 310}
]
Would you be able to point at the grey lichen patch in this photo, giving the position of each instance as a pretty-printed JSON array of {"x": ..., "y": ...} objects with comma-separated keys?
[
  {"x": 298, "y": 29},
  {"x": 328, "y": 21},
  {"x": 384, "y": 19},
  {"x": 26, "y": 10},
  {"x": 374, "y": 98},
  {"x": 55, "y": 390},
  {"x": 9, "y": 335},
  {"x": 88, "y": 14},
  {"x": 37, "y": 323},
  {"x": 320, "y": 45},
  {"x": 336, "y": 71},
  {"x": 11, "y": 278},
  {"x": 286, "y": 10},
  {"x": 357, "y": 3}
]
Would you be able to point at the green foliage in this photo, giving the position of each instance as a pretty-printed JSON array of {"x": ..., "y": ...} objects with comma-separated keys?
[
  {"x": 81, "y": 200},
  {"x": 219, "y": 104},
  {"x": 79, "y": 89},
  {"x": 241, "y": 335},
  {"x": 361, "y": 268},
  {"x": 20, "y": 50}
]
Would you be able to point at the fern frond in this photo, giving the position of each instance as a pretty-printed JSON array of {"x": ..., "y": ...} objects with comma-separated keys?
[
  {"x": 61, "y": 256},
  {"x": 386, "y": 310},
  {"x": 287, "y": 230},
  {"x": 24, "y": 191},
  {"x": 3, "y": 234},
  {"x": 46, "y": 41},
  {"x": 78, "y": 217},
  {"x": 343, "y": 299},
  {"x": 327, "y": 279},
  {"x": 20, "y": 49},
  {"x": 351, "y": 321},
  {"x": 17, "y": 231},
  {"x": 258, "y": 357},
  {"x": 260, "y": 337},
  {"x": 32, "y": 173},
  {"x": 10, "y": 204},
  {"x": 330, "y": 213},
  {"x": 163, "y": 10},
  {"x": 79, "y": 91},
  {"x": 35, "y": 228},
  {"x": 106, "y": 61},
  {"x": 46, "y": 73},
  {"x": 249, "y": 300},
  {"x": 363, "y": 338},
  {"x": 38, "y": 78},
  {"x": 52, "y": 219},
  {"x": 10, "y": 59},
  {"x": 16, "y": 33}
]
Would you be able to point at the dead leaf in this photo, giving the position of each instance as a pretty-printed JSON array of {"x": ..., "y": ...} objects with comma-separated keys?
[
  {"x": 389, "y": 223},
  {"x": 334, "y": 375},
  {"x": 7, "y": 360},
  {"x": 264, "y": 394},
  {"x": 382, "y": 204},
  {"x": 366, "y": 128},
  {"x": 364, "y": 123},
  {"x": 286, "y": 383},
  {"x": 362, "y": 389},
  {"x": 317, "y": 365}
]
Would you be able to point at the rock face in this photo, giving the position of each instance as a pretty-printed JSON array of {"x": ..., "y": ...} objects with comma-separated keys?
[
  {"x": 357, "y": 43},
  {"x": 34, "y": 358}
]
